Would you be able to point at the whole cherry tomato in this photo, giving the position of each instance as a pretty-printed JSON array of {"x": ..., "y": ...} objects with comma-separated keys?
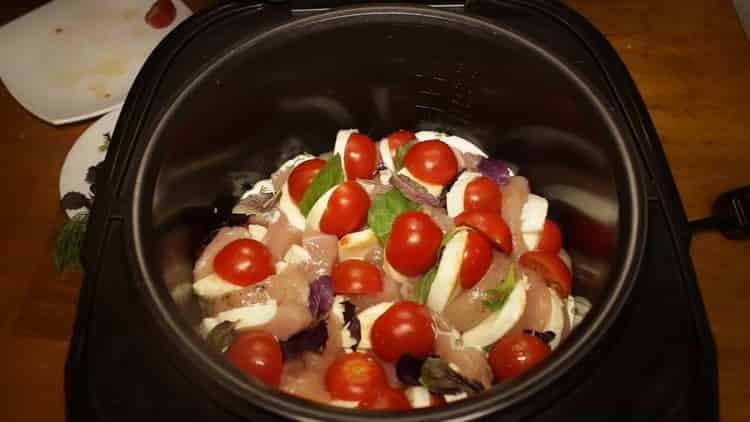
[
  {"x": 353, "y": 376},
  {"x": 406, "y": 327},
  {"x": 476, "y": 260},
  {"x": 432, "y": 162},
  {"x": 244, "y": 262},
  {"x": 413, "y": 244},
  {"x": 483, "y": 194},
  {"x": 161, "y": 14},
  {"x": 301, "y": 177},
  {"x": 515, "y": 353},
  {"x": 346, "y": 210},
  {"x": 551, "y": 268},
  {"x": 356, "y": 276},
  {"x": 360, "y": 156},
  {"x": 490, "y": 224},
  {"x": 258, "y": 354},
  {"x": 385, "y": 398}
]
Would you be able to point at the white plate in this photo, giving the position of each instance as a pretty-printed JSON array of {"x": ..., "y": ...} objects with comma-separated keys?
[
  {"x": 71, "y": 60},
  {"x": 85, "y": 153}
]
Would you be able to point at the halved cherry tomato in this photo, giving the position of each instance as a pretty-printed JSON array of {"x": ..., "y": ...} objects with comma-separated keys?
[
  {"x": 413, "y": 245},
  {"x": 398, "y": 138},
  {"x": 432, "y": 162},
  {"x": 483, "y": 194},
  {"x": 301, "y": 177},
  {"x": 161, "y": 14},
  {"x": 476, "y": 260},
  {"x": 258, "y": 354},
  {"x": 515, "y": 353},
  {"x": 353, "y": 376},
  {"x": 244, "y": 262},
  {"x": 551, "y": 268},
  {"x": 551, "y": 238},
  {"x": 346, "y": 210},
  {"x": 436, "y": 400},
  {"x": 385, "y": 398},
  {"x": 355, "y": 276},
  {"x": 406, "y": 327},
  {"x": 490, "y": 224},
  {"x": 360, "y": 156}
]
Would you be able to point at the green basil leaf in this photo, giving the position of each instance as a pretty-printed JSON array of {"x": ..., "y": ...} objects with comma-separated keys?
[
  {"x": 422, "y": 290},
  {"x": 70, "y": 241},
  {"x": 222, "y": 335},
  {"x": 499, "y": 294},
  {"x": 401, "y": 154},
  {"x": 385, "y": 209},
  {"x": 330, "y": 175}
]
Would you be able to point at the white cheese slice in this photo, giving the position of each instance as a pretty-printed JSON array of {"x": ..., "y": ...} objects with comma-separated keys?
[
  {"x": 297, "y": 255},
  {"x": 213, "y": 286},
  {"x": 349, "y": 404},
  {"x": 418, "y": 396},
  {"x": 385, "y": 154},
  {"x": 448, "y": 272},
  {"x": 393, "y": 273},
  {"x": 454, "y": 200},
  {"x": 565, "y": 257},
  {"x": 531, "y": 239},
  {"x": 385, "y": 176},
  {"x": 317, "y": 210},
  {"x": 450, "y": 398},
  {"x": 357, "y": 245},
  {"x": 246, "y": 316},
  {"x": 429, "y": 135},
  {"x": 577, "y": 308},
  {"x": 498, "y": 323},
  {"x": 433, "y": 188},
  {"x": 366, "y": 320},
  {"x": 456, "y": 142},
  {"x": 261, "y": 186},
  {"x": 257, "y": 232},
  {"x": 290, "y": 209},
  {"x": 533, "y": 214},
  {"x": 339, "y": 147},
  {"x": 556, "y": 320}
]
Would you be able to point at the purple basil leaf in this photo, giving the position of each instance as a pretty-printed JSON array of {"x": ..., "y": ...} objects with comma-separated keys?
[
  {"x": 499, "y": 171},
  {"x": 237, "y": 220},
  {"x": 349, "y": 311},
  {"x": 321, "y": 296},
  {"x": 74, "y": 201},
  {"x": 409, "y": 369},
  {"x": 355, "y": 330},
  {"x": 414, "y": 191},
  {"x": 312, "y": 339}
]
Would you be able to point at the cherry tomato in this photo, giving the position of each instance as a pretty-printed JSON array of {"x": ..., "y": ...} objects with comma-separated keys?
[
  {"x": 161, "y": 14},
  {"x": 490, "y": 224},
  {"x": 436, "y": 400},
  {"x": 483, "y": 194},
  {"x": 258, "y": 354},
  {"x": 398, "y": 138},
  {"x": 385, "y": 398},
  {"x": 476, "y": 260},
  {"x": 413, "y": 245},
  {"x": 551, "y": 268},
  {"x": 301, "y": 177},
  {"x": 353, "y": 376},
  {"x": 244, "y": 262},
  {"x": 360, "y": 156},
  {"x": 355, "y": 276},
  {"x": 346, "y": 210},
  {"x": 432, "y": 162},
  {"x": 551, "y": 238},
  {"x": 406, "y": 327},
  {"x": 515, "y": 353}
]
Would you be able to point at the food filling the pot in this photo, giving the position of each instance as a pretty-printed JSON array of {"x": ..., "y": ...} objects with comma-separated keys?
[{"x": 411, "y": 272}]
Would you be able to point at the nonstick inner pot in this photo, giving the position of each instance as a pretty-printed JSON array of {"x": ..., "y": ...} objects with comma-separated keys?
[{"x": 378, "y": 69}]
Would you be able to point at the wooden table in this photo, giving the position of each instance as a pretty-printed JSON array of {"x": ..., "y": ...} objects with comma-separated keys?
[{"x": 690, "y": 59}]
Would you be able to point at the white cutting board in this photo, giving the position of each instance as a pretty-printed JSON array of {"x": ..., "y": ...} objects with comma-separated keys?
[{"x": 70, "y": 60}]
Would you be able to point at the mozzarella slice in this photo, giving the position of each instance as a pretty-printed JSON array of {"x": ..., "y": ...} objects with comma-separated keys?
[
  {"x": 556, "y": 320},
  {"x": 531, "y": 239},
  {"x": 385, "y": 176},
  {"x": 393, "y": 273},
  {"x": 257, "y": 232},
  {"x": 290, "y": 209},
  {"x": 297, "y": 255},
  {"x": 450, "y": 398},
  {"x": 454, "y": 200},
  {"x": 357, "y": 245},
  {"x": 316, "y": 212},
  {"x": 498, "y": 323},
  {"x": 577, "y": 308},
  {"x": 418, "y": 396},
  {"x": 366, "y": 320},
  {"x": 261, "y": 186},
  {"x": 447, "y": 272},
  {"x": 349, "y": 404},
  {"x": 385, "y": 154},
  {"x": 342, "y": 137},
  {"x": 429, "y": 135},
  {"x": 463, "y": 145},
  {"x": 433, "y": 188},
  {"x": 246, "y": 316},
  {"x": 565, "y": 257},
  {"x": 213, "y": 286},
  {"x": 533, "y": 214}
]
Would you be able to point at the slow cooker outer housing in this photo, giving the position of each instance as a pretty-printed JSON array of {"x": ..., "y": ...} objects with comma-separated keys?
[{"x": 189, "y": 107}]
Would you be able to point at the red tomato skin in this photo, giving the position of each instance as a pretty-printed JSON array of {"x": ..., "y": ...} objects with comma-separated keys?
[
  {"x": 398, "y": 138},
  {"x": 551, "y": 239},
  {"x": 346, "y": 210},
  {"x": 476, "y": 259},
  {"x": 385, "y": 398},
  {"x": 406, "y": 327},
  {"x": 360, "y": 156},
  {"x": 353, "y": 376},
  {"x": 515, "y": 353},
  {"x": 161, "y": 14},
  {"x": 551, "y": 268},
  {"x": 483, "y": 194},
  {"x": 413, "y": 245},
  {"x": 301, "y": 177},
  {"x": 356, "y": 276},
  {"x": 437, "y": 400},
  {"x": 244, "y": 262},
  {"x": 432, "y": 162},
  {"x": 490, "y": 224},
  {"x": 257, "y": 354}
]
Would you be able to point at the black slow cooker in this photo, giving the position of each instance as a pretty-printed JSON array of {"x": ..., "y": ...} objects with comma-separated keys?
[{"x": 237, "y": 89}]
